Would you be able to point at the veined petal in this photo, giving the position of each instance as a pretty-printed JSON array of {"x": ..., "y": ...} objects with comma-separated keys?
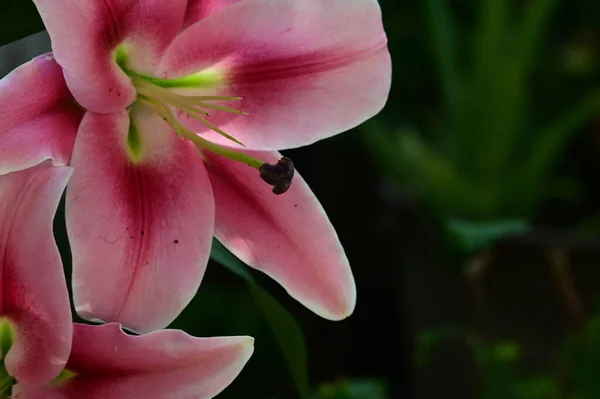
[
  {"x": 39, "y": 116},
  {"x": 199, "y": 9},
  {"x": 90, "y": 37},
  {"x": 307, "y": 69},
  {"x": 33, "y": 291},
  {"x": 140, "y": 218},
  {"x": 110, "y": 364},
  {"x": 288, "y": 237}
]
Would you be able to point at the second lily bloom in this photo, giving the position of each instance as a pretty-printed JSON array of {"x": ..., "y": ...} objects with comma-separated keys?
[{"x": 44, "y": 355}]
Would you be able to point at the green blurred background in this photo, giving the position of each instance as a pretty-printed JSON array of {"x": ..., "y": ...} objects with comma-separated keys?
[{"x": 469, "y": 209}]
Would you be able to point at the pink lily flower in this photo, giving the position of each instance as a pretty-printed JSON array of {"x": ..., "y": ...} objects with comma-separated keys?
[
  {"x": 38, "y": 339},
  {"x": 158, "y": 81},
  {"x": 106, "y": 363}
]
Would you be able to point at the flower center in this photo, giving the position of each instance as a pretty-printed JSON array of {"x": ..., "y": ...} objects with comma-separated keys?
[
  {"x": 158, "y": 95},
  {"x": 6, "y": 340}
]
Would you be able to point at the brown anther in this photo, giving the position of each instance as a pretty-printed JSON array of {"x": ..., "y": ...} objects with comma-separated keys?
[{"x": 279, "y": 176}]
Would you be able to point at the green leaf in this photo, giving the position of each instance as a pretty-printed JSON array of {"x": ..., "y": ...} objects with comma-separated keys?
[
  {"x": 439, "y": 178},
  {"x": 442, "y": 31},
  {"x": 288, "y": 334},
  {"x": 529, "y": 34},
  {"x": 487, "y": 135},
  {"x": 285, "y": 328},
  {"x": 222, "y": 255},
  {"x": 19, "y": 19},
  {"x": 554, "y": 137},
  {"x": 475, "y": 236}
]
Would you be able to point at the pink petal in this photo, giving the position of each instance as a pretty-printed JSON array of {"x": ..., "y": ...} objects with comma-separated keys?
[
  {"x": 289, "y": 237},
  {"x": 199, "y": 9},
  {"x": 307, "y": 69},
  {"x": 39, "y": 116},
  {"x": 165, "y": 364},
  {"x": 85, "y": 36},
  {"x": 32, "y": 284},
  {"x": 140, "y": 232},
  {"x": 20, "y": 391}
]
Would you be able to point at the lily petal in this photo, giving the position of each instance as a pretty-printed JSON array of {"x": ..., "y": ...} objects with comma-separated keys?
[
  {"x": 33, "y": 290},
  {"x": 87, "y": 34},
  {"x": 288, "y": 237},
  {"x": 199, "y": 9},
  {"x": 110, "y": 364},
  {"x": 39, "y": 116},
  {"x": 140, "y": 228},
  {"x": 307, "y": 69}
]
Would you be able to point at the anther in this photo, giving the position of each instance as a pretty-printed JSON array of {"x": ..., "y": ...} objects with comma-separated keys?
[{"x": 279, "y": 176}]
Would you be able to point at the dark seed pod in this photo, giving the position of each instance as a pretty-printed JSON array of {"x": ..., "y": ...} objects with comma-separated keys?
[{"x": 279, "y": 176}]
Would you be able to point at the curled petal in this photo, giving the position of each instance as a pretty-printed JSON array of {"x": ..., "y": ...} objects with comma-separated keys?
[
  {"x": 199, "y": 9},
  {"x": 90, "y": 37},
  {"x": 39, "y": 116},
  {"x": 306, "y": 69},
  {"x": 110, "y": 364},
  {"x": 140, "y": 217},
  {"x": 33, "y": 291},
  {"x": 288, "y": 237}
]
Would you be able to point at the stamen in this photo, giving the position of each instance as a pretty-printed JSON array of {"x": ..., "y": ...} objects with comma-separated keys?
[
  {"x": 220, "y": 108},
  {"x": 174, "y": 99},
  {"x": 279, "y": 176},
  {"x": 163, "y": 110},
  {"x": 213, "y": 127},
  {"x": 187, "y": 104},
  {"x": 160, "y": 100},
  {"x": 214, "y": 98}
]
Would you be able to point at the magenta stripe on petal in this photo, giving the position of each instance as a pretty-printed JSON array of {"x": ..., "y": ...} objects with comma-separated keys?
[
  {"x": 304, "y": 69},
  {"x": 140, "y": 231},
  {"x": 39, "y": 116}
]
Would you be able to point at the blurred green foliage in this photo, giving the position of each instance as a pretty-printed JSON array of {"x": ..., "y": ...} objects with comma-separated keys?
[
  {"x": 285, "y": 328},
  {"x": 482, "y": 147},
  {"x": 486, "y": 158},
  {"x": 497, "y": 363},
  {"x": 472, "y": 237},
  {"x": 575, "y": 375}
]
